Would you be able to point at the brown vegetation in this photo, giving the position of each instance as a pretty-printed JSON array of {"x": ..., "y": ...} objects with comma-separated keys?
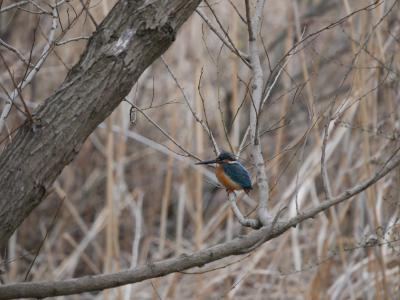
[{"x": 132, "y": 196}]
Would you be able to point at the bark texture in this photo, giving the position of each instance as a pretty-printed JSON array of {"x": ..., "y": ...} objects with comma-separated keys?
[
  {"x": 237, "y": 246},
  {"x": 130, "y": 38}
]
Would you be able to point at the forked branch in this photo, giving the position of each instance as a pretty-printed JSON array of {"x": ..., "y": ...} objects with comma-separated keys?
[{"x": 236, "y": 246}]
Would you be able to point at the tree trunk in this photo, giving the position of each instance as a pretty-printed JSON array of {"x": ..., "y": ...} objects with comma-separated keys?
[{"x": 130, "y": 38}]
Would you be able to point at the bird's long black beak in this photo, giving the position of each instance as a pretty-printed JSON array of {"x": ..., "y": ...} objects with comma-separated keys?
[{"x": 206, "y": 162}]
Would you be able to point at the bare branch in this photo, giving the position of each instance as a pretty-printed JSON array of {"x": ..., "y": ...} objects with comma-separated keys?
[
  {"x": 89, "y": 14},
  {"x": 195, "y": 115},
  {"x": 16, "y": 51},
  {"x": 253, "y": 23},
  {"x": 26, "y": 109},
  {"x": 32, "y": 73},
  {"x": 79, "y": 38},
  {"x": 247, "y": 222},
  {"x": 162, "y": 149},
  {"x": 243, "y": 19},
  {"x": 72, "y": 105},
  {"x": 324, "y": 172},
  {"x": 183, "y": 262},
  {"x": 230, "y": 46},
  {"x": 164, "y": 132},
  {"x": 11, "y": 6}
]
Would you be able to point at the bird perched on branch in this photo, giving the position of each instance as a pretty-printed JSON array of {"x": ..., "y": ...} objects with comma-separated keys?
[{"x": 230, "y": 172}]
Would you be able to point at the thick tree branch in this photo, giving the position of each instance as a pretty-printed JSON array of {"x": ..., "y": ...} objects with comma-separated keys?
[
  {"x": 130, "y": 38},
  {"x": 237, "y": 246}
]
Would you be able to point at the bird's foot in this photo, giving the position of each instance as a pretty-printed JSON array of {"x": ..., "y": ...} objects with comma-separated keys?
[{"x": 228, "y": 192}]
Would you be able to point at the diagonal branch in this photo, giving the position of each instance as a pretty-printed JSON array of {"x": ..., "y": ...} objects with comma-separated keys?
[
  {"x": 228, "y": 43},
  {"x": 205, "y": 126},
  {"x": 32, "y": 73},
  {"x": 11, "y": 6},
  {"x": 17, "y": 52},
  {"x": 236, "y": 246},
  {"x": 131, "y": 37}
]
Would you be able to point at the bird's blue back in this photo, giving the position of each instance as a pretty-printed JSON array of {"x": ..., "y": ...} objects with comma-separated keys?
[{"x": 238, "y": 174}]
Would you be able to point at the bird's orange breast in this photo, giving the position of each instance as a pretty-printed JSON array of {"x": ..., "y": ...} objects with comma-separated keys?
[{"x": 225, "y": 180}]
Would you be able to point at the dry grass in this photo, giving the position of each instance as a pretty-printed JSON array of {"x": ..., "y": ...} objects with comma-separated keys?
[{"x": 128, "y": 200}]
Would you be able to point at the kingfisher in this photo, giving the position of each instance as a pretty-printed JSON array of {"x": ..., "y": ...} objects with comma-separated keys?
[{"x": 230, "y": 172}]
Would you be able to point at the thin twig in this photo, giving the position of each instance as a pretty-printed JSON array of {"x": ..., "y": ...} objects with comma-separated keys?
[
  {"x": 89, "y": 14},
  {"x": 76, "y": 39},
  {"x": 234, "y": 50},
  {"x": 183, "y": 262},
  {"x": 187, "y": 153},
  {"x": 16, "y": 51},
  {"x": 26, "y": 112},
  {"x": 32, "y": 73},
  {"x": 11, "y": 6},
  {"x": 195, "y": 115},
  {"x": 324, "y": 172},
  {"x": 53, "y": 222},
  {"x": 242, "y": 18}
]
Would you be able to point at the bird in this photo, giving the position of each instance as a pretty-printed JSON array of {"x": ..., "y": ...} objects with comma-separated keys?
[{"x": 230, "y": 172}]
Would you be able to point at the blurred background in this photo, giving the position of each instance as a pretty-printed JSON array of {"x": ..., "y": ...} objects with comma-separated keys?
[{"x": 132, "y": 196}]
